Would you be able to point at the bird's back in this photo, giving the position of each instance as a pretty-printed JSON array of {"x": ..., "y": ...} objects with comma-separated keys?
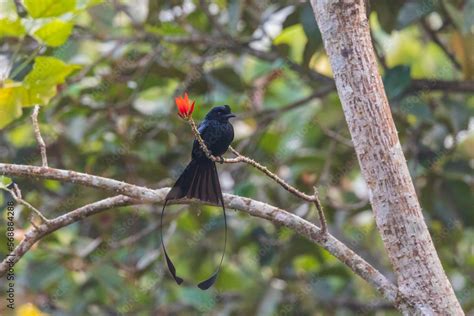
[{"x": 217, "y": 136}]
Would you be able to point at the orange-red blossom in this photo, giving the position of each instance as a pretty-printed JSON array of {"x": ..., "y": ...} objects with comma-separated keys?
[{"x": 185, "y": 107}]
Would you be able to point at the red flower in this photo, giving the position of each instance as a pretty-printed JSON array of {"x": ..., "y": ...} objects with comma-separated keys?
[{"x": 185, "y": 107}]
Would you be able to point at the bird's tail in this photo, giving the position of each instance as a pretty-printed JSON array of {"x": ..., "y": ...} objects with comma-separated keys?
[{"x": 200, "y": 181}]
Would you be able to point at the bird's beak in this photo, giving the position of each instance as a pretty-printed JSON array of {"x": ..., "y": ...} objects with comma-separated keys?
[{"x": 228, "y": 116}]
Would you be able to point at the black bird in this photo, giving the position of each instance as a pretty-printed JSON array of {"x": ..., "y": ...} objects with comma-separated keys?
[{"x": 200, "y": 180}]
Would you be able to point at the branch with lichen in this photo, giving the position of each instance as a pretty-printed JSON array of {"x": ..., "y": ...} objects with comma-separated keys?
[{"x": 133, "y": 194}]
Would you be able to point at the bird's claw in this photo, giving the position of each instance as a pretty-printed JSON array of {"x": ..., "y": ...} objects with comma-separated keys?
[{"x": 221, "y": 159}]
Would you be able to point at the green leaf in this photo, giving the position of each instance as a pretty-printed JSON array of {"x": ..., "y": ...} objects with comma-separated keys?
[
  {"x": 38, "y": 88},
  {"x": 48, "y": 8},
  {"x": 35, "y": 95},
  {"x": 396, "y": 80},
  {"x": 10, "y": 108},
  {"x": 5, "y": 182},
  {"x": 293, "y": 36},
  {"x": 54, "y": 33},
  {"x": 48, "y": 71},
  {"x": 12, "y": 28}
]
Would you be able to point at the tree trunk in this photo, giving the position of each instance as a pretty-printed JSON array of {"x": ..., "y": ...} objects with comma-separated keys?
[{"x": 420, "y": 275}]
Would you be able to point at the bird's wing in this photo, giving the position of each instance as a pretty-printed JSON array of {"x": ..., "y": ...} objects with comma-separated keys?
[
  {"x": 203, "y": 129},
  {"x": 202, "y": 126}
]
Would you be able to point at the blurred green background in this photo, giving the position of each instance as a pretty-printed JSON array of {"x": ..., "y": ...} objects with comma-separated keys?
[{"x": 114, "y": 115}]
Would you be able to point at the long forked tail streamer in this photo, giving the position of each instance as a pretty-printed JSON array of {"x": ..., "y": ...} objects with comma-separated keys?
[
  {"x": 204, "y": 285},
  {"x": 170, "y": 264}
]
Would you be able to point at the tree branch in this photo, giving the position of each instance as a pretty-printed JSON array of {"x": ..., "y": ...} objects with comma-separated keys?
[
  {"x": 466, "y": 86},
  {"x": 37, "y": 233},
  {"x": 130, "y": 193}
]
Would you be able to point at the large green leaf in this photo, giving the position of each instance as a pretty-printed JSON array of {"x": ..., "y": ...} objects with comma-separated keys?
[
  {"x": 48, "y": 8},
  {"x": 10, "y": 108},
  {"x": 40, "y": 85},
  {"x": 54, "y": 33},
  {"x": 48, "y": 71},
  {"x": 38, "y": 88},
  {"x": 293, "y": 36},
  {"x": 12, "y": 28},
  {"x": 35, "y": 95}
]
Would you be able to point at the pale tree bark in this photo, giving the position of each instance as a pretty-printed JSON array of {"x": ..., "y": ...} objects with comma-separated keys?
[{"x": 420, "y": 275}]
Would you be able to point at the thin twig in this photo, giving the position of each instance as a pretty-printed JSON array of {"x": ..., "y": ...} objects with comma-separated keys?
[
  {"x": 247, "y": 160},
  {"x": 280, "y": 181},
  {"x": 17, "y": 196},
  {"x": 427, "y": 85},
  {"x": 319, "y": 207},
  {"x": 197, "y": 135},
  {"x": 39, "y": 138},
  {"x": 241, "y": 158}
]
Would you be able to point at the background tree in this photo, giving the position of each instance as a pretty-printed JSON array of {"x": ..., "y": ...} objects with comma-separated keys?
[{"x": 114, "y": 117}]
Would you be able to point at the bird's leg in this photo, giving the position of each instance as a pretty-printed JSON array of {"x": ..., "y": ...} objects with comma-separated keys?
[{"x": 221, "y": 159}]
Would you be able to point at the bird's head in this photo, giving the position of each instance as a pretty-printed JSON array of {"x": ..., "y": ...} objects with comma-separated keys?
[{"x": 220, "y": 113}]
